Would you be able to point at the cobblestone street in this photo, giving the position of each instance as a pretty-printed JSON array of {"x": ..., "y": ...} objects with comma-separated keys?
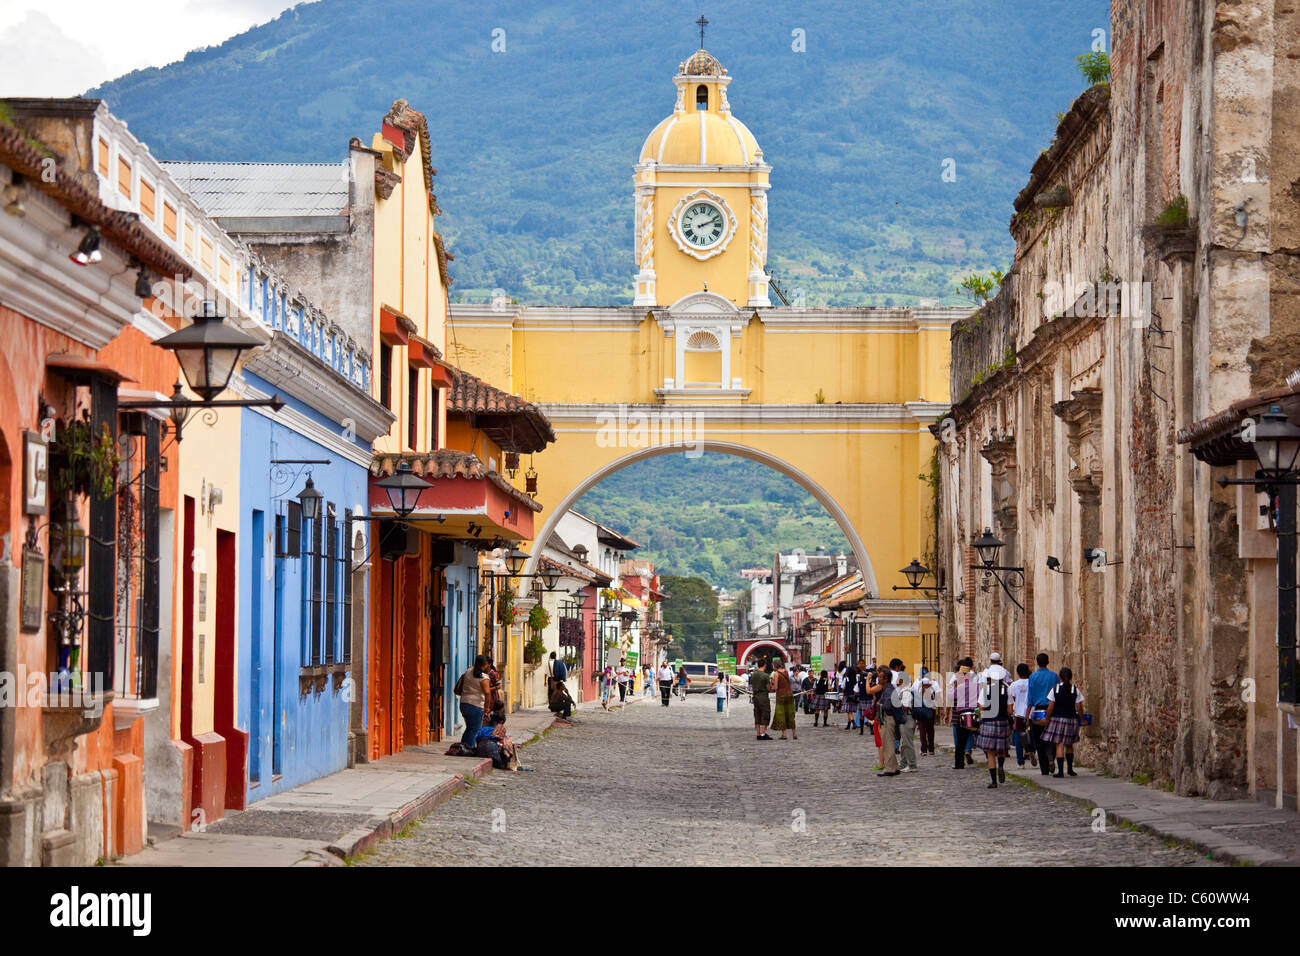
[{"x": 683, "y": 785}]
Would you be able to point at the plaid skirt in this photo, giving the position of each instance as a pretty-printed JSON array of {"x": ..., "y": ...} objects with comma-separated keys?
[
  {"x": 819, "y": 702},
  {"x": 1062, "y": 730},
  {"x": 994, "y": 736}
]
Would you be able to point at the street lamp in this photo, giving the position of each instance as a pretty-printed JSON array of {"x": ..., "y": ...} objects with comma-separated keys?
[
  {"x": 1277, "y": 443},
  {"x": 403, "y": 489},
  {"x": 310, "y": 499},
  {"x": 987, "y": 547},
  {"x": 550, "y": 577},
  {"x": 208, "y": 351},
  {"x": 915, "y": 573},
  {"x": 515, "y": 560}
]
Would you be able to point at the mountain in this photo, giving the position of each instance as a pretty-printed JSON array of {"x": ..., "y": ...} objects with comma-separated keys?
[
  {"x": 535, "y": 143},
  {"x": 710, "y": 516}
]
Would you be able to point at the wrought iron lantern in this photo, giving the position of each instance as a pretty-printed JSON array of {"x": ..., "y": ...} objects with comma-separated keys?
[
  {"x": 987, "y": 547},
  {"x": 1277, "y": 443},
  {"x": 311, "y": 499},
  {"x": 403, "y": 489},
  {"x": 208, "y": 351}
]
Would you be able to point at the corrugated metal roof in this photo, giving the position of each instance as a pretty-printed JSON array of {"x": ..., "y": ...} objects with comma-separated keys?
[{"x": 264, "y": 189}]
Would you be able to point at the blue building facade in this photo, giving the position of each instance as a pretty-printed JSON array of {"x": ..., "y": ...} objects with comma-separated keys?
[{"x": 303, "y": 585}]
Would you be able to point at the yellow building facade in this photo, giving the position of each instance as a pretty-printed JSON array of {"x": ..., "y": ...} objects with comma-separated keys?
[{"x": 839, "y": 399}]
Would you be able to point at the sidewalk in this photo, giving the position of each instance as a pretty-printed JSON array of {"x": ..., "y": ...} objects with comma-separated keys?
[
  {"x": 324, "y": 822},
  {"x": 1232, "y": 831}
]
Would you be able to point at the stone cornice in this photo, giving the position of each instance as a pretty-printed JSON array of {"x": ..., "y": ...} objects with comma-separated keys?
[
  {"x": 922, "y": 413},
  {"x": 287, "y": 366}
]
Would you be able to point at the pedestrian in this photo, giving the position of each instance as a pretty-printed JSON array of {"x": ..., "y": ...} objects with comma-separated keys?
[
  {"x": 647, "y": 680},
  {"x": 925, "y": 693},
  {"x": 964, "y": 700},
  {"x": 1041, "y": 682},
  {"x": 721, "y": 688},
  {"x": 1019, "y": 694},
  {"x": 624, "y": 675},
  {"x": 995, "y": 718},
  {"x": 606, "y": 686},
  {"x": 862, "y": 700},
  {"x": 492, "y": 741},
  {"x": 494, "y": 679},
  {"x": 560, "y": 701},
  {"x": 760, "y": 683},
  {"x": 903, "y": 718},
  {"x": 809, "y": 687},
  {"x": 783, "y": 717},
  {"x": 882, "y": 688},
  {"x": 665, "y": 680},
  {"x": 474, "y": 689},
  {"x": 683, "y": 679},
  {"x": 1063, "y": 708},
  {"x": 821, "y": 706},
  {"x": 849, "y": 697}
]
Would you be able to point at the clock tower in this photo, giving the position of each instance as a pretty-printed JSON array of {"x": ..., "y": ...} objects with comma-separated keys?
[{"x": 701, "y": 198}]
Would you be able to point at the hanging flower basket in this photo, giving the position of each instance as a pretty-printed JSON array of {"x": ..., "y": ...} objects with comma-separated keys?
[
  {"x": 506, "y": 607},
  {"x": 538, "y": 618}
]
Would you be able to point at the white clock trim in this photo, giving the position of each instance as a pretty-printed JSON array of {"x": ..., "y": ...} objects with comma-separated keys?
[{"x": 674, "y": 224}]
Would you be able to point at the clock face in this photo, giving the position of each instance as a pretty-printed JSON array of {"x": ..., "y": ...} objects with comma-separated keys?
[{"x": 702, "y": 224}]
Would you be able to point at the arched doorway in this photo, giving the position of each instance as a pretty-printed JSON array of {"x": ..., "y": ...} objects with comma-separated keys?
[{"x": 762, "y": 650}]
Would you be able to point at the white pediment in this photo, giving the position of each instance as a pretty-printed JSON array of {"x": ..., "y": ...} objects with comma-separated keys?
[{"x": 703, "y": 303}]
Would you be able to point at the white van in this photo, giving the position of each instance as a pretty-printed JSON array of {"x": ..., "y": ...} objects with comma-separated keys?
[{"x": 702, "y": 676}]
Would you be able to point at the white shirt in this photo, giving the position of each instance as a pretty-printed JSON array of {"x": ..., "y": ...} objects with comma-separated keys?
[
  {"x": 723, "y": 687},
  {"x": 624, "y": 675},
  {"x": 665, "y": 673},
  {"x": 925, "y": 692},
  {"x": 1019, "y": 691}
]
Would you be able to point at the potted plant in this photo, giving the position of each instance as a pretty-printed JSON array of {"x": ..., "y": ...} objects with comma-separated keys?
[
  {"x": 534, "y": 650},
  {"x": 83, "y": 462}
]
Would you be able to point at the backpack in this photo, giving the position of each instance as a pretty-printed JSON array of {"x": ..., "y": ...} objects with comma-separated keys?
[{"x": 559, "y": 671}]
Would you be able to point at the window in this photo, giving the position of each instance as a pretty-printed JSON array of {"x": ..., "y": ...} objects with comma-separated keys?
[
  {"x": 147, "y": 199},
  {"x": 169, "y": 221},
  {"x": 124, "y": 177},
  {"x": 223, "y": 272},
  {"x": 101, "y": 161},
  {"x": 330, "y": 637},
  {"x": 413, "y": 399},
  {"x": 288, "y": 535},
  {"x": 316, "y": 570},
  {"x": 189, "y": 239},
  {"x": 386, "y": 376},
  {"x": 205, "y": 255},
  {"x": 701, "y": 97},
  {"x": 433, "y": 419}
]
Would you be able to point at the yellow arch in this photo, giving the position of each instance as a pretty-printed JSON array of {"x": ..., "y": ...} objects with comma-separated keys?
[{"x": 723, "y": 447}]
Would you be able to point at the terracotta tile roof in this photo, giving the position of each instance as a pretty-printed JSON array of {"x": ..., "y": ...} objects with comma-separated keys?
[
  {"x": 26, "y": 155},
  {"x": 511, "y": 422},
  {"x": 1216, "y": 439},
  {"x": 447, "y": 463}
]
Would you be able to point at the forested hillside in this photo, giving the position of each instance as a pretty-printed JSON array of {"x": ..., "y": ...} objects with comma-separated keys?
[{"x": 858, "y": 105}]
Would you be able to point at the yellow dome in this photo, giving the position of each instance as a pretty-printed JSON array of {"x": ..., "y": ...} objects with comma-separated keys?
[{"x": 678, "y": 141}]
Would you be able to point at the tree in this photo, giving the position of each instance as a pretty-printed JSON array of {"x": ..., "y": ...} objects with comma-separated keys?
[{"x": 691, "y": 614}]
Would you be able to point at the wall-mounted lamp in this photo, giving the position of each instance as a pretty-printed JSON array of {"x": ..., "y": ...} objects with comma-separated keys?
[
  {"x": 1054, "y": 564},
  {"x": 310, "y": 499},
  {"x": 87, "y": 252}
]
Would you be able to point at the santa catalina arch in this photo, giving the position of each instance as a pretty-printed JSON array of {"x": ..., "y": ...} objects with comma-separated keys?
[{"x": 839, "y": 399}]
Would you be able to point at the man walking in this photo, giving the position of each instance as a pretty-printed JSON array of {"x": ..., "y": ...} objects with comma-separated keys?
[
  {"x": 760, "y": 685},
  {"x": 1041, "y": 683},
  {"x": 665, "y": 676},
  {"x": 903, "y": 698}
]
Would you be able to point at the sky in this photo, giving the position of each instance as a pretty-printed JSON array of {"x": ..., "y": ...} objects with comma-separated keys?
[{"x": 65, "y": 47}]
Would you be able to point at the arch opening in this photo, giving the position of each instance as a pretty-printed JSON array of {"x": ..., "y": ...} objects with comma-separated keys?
[{"x": 798, "y": 476}]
